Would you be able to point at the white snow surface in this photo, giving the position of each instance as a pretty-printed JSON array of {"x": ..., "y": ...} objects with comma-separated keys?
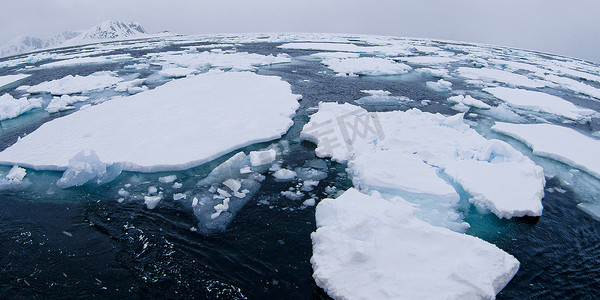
[
  {"x": 181, "y": 124},
  {"x": 494, "y": 75},
  {"x": 8, "y": 79},
  {"x": 237, "y": 61},
  {"x": 12, "y": 108},
  {"x": 366, "y": 247},
  {"x": 377, "y": 160},
  {"x": 557, "y": 142},
  {"x": 539, "y": 102},
  {"x": 76, "y": 84}
]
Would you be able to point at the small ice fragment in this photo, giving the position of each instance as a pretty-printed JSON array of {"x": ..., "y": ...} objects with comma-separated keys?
[
  {"x": 284, "y": 175},
  {"x": 152, "y": 201},
  {"x": 177, "y": 185},
  {"x": 179, "y": 196},
  {"x": 167, "y": 179},
  {"x": 309, "y": 202},
  {"x": 152, "y": 190},
  {"x": 219, "y": 208},
  {"x": 259, "y": 158}
]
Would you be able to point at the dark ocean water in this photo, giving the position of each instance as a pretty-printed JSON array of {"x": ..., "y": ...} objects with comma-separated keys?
[{"x": 83, "y": 243}]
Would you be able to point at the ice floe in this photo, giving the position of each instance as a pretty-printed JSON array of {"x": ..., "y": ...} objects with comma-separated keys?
[
  {"x": 8, "y": 79},
  {"x": 76, "y": 84},
  {"x": 151, "y": 131},
  {"x": 371, "y": 66},
  {"x": 237, "y": 61},
  {"x": 426, "y": 141},
  {"x": 492, "y": 75},
  {"x": 539, "y": 102},
  {"x": 12, "y": 108},
  {"x": 366, "y": 247},
  {"x": 557, "y": 142},
  {"x": 63, "y": 103}
]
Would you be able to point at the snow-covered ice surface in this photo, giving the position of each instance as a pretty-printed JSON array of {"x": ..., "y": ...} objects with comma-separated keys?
[
  {"x": 366, "y": 247},
  {"x": 497, "y": 176},
  {"x": 538, "y": 101},
  {"x": 133, "y": 130},
  {"x": 557, "y": 142},
  {"x": 8, "y": 79},
  {"x": 187, "y": 165}
]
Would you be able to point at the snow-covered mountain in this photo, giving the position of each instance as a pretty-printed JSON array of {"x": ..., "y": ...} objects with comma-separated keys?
[
  {"x": 107, "y": 30},
  {"x": 24, "y": 43}
]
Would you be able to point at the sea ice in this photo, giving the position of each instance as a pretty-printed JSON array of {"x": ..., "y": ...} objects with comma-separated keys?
[
  {"x": 250, "y": 109},
  {"x": 366, "y": 247},
  {"x": 284, "y": 175},
  {"x": 469, "y": 101},
  {"x": 539, "y": 102},
  {"x": 372, "y": 66},
  {"x": 493, "y": 75},
  {"x": 575, "y": 86},
  {"x": 63, "y": 103},
  {"x": 86, "y": 167},
  {"x": 89, "y": 60},
  {"x": 430, "y": 144},
  {"x": 8, "y": 79},
  {"x": 557, "y": 142},
  {"x": 440, "y": 86},
  {"x": 76, "y": 84},
  {"x": 259, "y": 158},
  {"x": 12, "y": 108},
  {"x": 237, "y": 61}
]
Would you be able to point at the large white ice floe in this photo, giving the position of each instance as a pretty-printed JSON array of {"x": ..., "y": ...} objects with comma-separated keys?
[
  {"x": 8, "y": 79},
  {"x": 367, "y": 247},
  {"x": 386, "y": 151},
  {"x": 237, "y": 61},
  {"x": 557, "y": 142},
  {"x": 11, "y": 107},
  {"x": 366, "y": 66},
  {"x": 493, "y": 75},
  {"x": 76, "y": 84},
  {"x": 540, "y": 102},
  {"x": 181, "y": 124}
]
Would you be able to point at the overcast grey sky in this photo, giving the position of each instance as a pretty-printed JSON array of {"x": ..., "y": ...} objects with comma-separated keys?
[{"x": 569, "y": 28}]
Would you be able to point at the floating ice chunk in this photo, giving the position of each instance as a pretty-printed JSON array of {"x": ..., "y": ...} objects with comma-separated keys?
[
  {"x": 372, "y": 66},
  {"x": 152, "y": 201},
  {"x": 293, "y": 195},
  {"x": 171, "y": 113},
  {"x": 469, "y": 101},
  {"x": 63, "y": 103},
  {"x": 309, "y": 185},
  {"x": 89, "y": 60},
  {"x": 8, "y": 79},
  {"x": 429, "y": 144},
  {"x": 440, "y": 86},
  {"x": 237, "y": 61},
  {"x": 123, "y": 193},
  {"x": 259, "y": 158},
  {"x": 167, "y": 179},
  {"x": 177, "y": 185},
  {"x": 575, "y": 86},
  {"x": 181, "y": 196},
  {"x": 556, "y": 142},
  {"x": 309, "y": 202},
  {"x": 233, "y": 184},
  {"x": 16, "y": 174},
  {"x": 433, "y": 72},
  {"x": 368, "y": 247},
  {"x": 131, "y": 86},
  {"x": 539, "y": 102},
  {"x": 428, "y": 60},
  {"x": 86, "y": 167},
  {"x": 284, "y": 175},
  {"x": 493, "y": 75},
  {"x": 76, "y": 84},
  {"x": 12, "y": 108},
  {"x": 376, "y": 92},
  {"x": 395, "y": 49},
  {"x": 219, "y": 208},
  {"x": 152, "y": 190},
  {"x": 338, "y": 55}
]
